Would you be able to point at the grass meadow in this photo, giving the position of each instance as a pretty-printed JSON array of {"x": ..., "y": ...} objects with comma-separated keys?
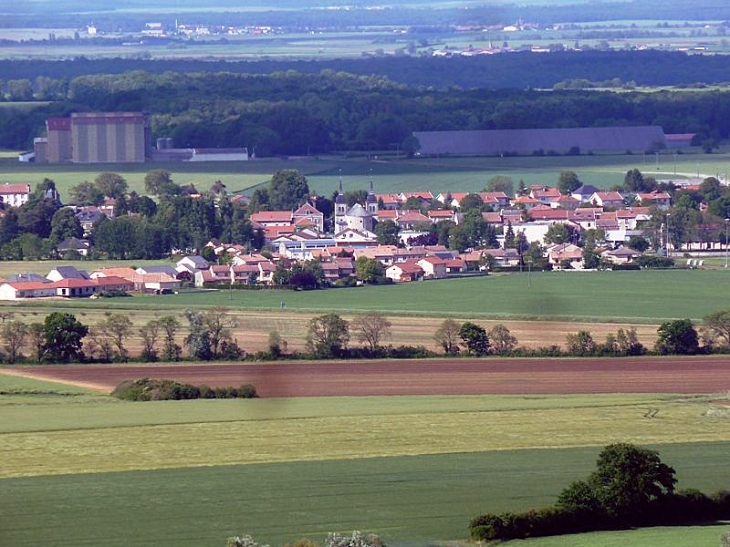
[
  {"x": 646, "y": 296},
  {"x": 676, "y": 536},
  {"x": 97, "y": 471},
  {"x": 388, "y": 172}
]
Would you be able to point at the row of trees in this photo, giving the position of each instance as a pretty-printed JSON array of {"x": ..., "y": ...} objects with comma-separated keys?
[
  {"x": 675, "y": 337},
  {"x": 61, "y": 338}
]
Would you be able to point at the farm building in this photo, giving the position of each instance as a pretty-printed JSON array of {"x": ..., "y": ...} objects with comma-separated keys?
[{"x": 95, "y": 137}]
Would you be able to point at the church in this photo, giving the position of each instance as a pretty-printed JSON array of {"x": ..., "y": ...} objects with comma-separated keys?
[{"x": 356, "y": 224}]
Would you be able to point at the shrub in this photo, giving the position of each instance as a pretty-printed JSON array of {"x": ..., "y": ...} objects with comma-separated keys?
[
  {"x": 247, "y": 391},
  {"x": 151, "y": 389}
]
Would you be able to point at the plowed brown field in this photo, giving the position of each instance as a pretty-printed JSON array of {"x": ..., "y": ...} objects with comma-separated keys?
[{"x": 422, "y": 377}]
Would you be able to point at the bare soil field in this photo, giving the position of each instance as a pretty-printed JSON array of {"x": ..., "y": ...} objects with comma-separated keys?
[{"x": 701, "y": 375}]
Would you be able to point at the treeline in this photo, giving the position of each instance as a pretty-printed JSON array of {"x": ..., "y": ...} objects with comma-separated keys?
[
  {"x": 507, "y": 71},
  {"x": 141, "y": 228},
  {"x": 314, "y": 110},
  {"x": 61, "y": 338}
]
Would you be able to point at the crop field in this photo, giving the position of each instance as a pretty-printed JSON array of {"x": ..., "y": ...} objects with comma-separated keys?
[
  {"x": 388, "y": 172},
  {"x": 539, "y": 308},
  {"x": 98, "y": 471},
  {"x": 646, "y": 296}
]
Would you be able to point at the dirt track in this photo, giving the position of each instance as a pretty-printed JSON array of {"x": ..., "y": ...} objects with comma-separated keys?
[{"x": 424, "y": 377}]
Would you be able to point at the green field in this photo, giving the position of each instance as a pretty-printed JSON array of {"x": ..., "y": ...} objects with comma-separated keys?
[
  {"x": 413, "y": 469},
  {"x": 648, "y": 537},
  {"x": 388, "y": 172},
  {"x": 631, "y": 296}
]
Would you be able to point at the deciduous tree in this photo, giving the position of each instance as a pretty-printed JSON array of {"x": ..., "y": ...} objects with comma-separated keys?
[
  {"x": 327, "y": 335},
  {"x": 220, "y": 324},
  {"x": 718, "y": 326},
  {"x": 371, "y": 328},
  {"x": 368, "y": 270},
  {"x": 64, "y": 336},
  {"x": 581, "y": 344},
  {"x": 111, "y": 185},
  {"x": 149, "y": 334},
  {"x": 447, "y": 336},
  {"x": 628, "y": 478},
  {"x": 677, "y": 337},
  {"x": 475, "y": 338},
  {"x": 117, "y": 328},
  {"x": 501, "y": 339},
  {"x": 169, "y": 326},
  {"x": 288, "y": 189},
  {"x": 568, "y": 182},
  {"x": 14, "y": 335}
]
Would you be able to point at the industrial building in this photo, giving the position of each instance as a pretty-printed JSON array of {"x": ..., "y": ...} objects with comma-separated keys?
[
  {"x": 542, "y": 141},
  {"x": 94, "y": 137}
]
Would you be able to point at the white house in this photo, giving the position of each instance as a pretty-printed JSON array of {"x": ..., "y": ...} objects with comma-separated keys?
[
  {"x": 26, "y": 289},
  {"x": 14, "y": 195}
]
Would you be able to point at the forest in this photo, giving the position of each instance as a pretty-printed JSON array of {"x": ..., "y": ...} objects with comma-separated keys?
[
  {"x": 506, "y": 71},
  {"x": 295, "y": 113}
]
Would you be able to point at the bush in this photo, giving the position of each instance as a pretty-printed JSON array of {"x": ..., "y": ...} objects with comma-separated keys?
[
  {"x": 150, "y": 389},
  {"x": 247, "y": 391},
  {"x": 654, "y": 261},
  {"x": 114, "y": 294},
  {"x": 346, "y": 282}
]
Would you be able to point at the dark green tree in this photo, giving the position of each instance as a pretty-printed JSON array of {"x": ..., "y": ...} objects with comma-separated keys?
[
  {"x": 63, "y": 338},
  {"x": 35, "y": 216},
  {"x": 634, "y": 181},
  {"x": 368, "y": 270},
  {"x": 475, "y": 338},
  {"x": 111, "y": 185},
  {"x": 557, "y": 233},
  {"x": 387, "y": 232},
  {"x": 627, "y": 479},
  {"x": 64, "y": 224},
  {"x": 638, "y": 243},
  {"x": 568, "y": 182},
  {"x": 159, "y": 182},
  {"x": 86, "y": 193},
  {"x": 198, "y": 341},
  {"x": 9, "y": 228},
  {"x": 288, "y": 190},
  {"x": 471, "y": 202},
  {"x": 677, "y": 337}
]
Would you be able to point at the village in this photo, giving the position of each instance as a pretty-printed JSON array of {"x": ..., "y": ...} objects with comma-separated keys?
[{"x": 337, "y": 250}]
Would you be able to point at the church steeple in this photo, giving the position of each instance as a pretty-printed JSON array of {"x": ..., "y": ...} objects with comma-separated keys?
[
  {"x": 371, "y": 202},
  {"x": 340, "y": 208}
]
